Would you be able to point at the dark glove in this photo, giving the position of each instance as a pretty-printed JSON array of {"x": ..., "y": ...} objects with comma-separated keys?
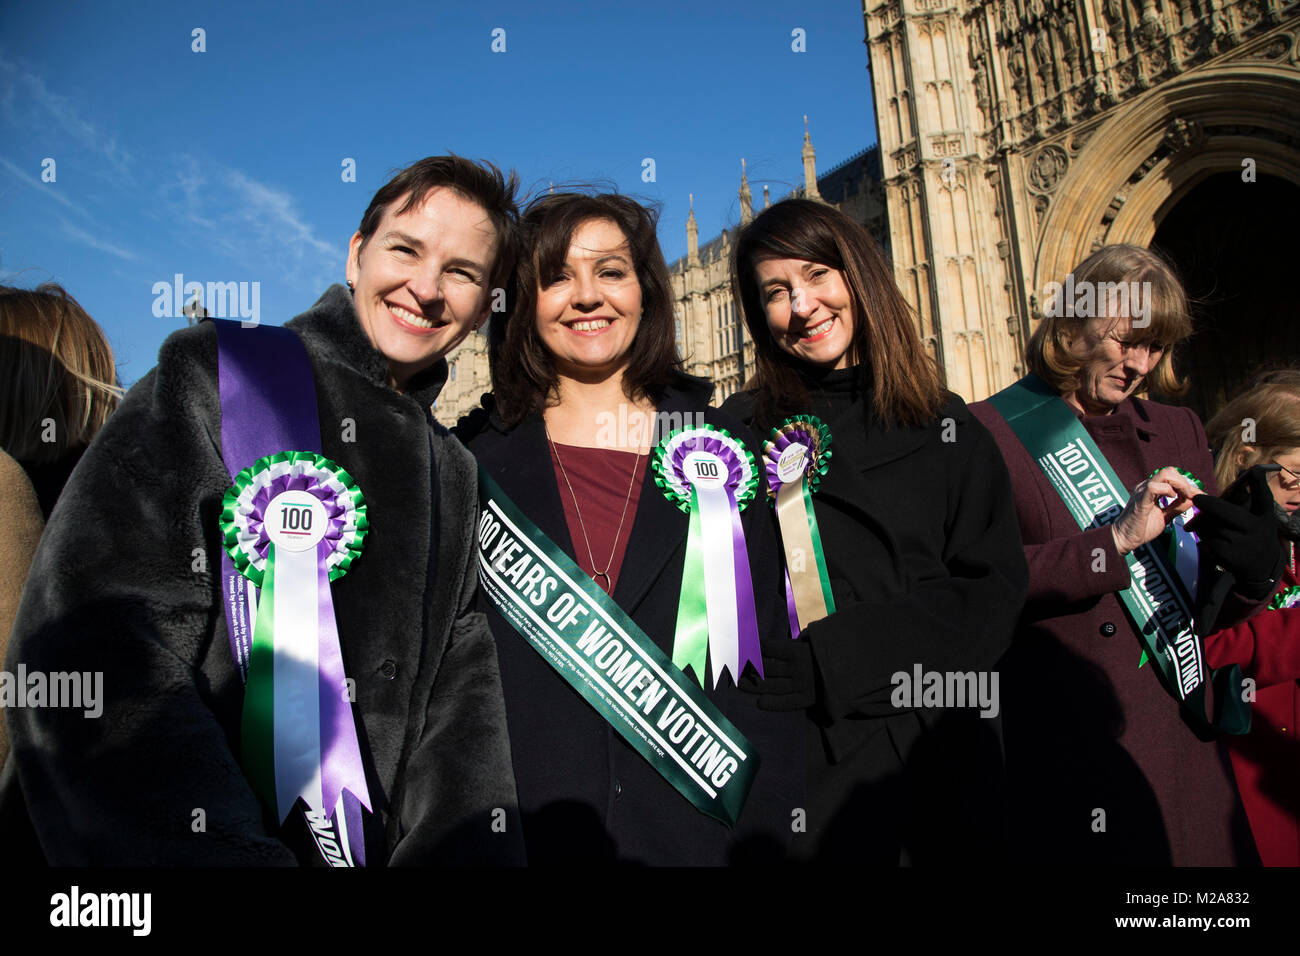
[
  {"x": 790, "y": 677},
  {"x": 1242, "y": 538}
]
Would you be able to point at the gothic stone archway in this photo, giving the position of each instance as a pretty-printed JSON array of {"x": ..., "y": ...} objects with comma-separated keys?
[{"x": 1178, "y": 150}]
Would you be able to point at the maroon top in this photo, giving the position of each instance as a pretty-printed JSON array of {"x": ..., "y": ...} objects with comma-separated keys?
[
  {"x": 1086, "y": 729},
  {"x": 600, "y": 479}
]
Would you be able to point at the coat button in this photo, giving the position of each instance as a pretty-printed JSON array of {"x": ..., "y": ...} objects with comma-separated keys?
[
  {"x": 618, "y": 788},
  {"x": 388, "y": 669},
  {"x": 1108, "y": 629}
]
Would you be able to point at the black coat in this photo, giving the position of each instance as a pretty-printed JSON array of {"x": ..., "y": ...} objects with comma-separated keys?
[
  {"x": 585, "y": 794},
  {"x": 127, "y": 581},
  {"x": 926, "y": 567}
]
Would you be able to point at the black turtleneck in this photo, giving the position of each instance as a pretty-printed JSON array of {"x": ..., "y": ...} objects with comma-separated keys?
[{"x": 831, "y": 392}]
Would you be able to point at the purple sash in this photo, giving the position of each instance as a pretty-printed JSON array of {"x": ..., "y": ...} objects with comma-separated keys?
[{"x": 268, "y": 405}]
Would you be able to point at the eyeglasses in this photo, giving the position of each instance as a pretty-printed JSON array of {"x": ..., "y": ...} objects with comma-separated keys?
[{"x": 1287, "y": 478}]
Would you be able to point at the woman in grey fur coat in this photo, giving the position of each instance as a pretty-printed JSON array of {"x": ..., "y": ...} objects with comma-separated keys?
[{"x": 126, "y": 588}]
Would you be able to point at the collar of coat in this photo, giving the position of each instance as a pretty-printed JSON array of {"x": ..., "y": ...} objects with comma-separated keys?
[
  {"x": 331, "y": 330},
  {"x": 860, "y": 439},
  {"x": 1132, "y": 410}
]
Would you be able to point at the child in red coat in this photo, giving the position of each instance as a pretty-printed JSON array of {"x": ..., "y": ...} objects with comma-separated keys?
[{"x": 1262, "y": 426}]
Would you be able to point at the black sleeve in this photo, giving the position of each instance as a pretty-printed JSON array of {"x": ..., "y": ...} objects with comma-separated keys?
[
  {"x": 963, "y": 620},
  {"x": 462, "y": 759},
  {"x": 123, "y": 591}
]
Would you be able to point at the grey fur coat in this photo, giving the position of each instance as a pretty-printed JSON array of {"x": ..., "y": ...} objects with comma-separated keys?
[{"x": 126, "y": 582}]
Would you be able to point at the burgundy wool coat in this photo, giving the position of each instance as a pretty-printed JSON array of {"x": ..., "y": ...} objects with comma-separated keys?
[{"x": 1101, "y": 765}]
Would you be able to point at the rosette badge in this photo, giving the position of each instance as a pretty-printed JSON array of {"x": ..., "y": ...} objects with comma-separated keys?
[
  {"x": 797, "y": 455},
  {"x": 292, "y": 523},
  {"x": 711, "y": 476}
]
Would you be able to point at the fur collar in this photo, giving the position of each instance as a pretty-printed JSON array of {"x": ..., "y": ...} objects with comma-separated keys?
[{"x": 331, "y": 329}]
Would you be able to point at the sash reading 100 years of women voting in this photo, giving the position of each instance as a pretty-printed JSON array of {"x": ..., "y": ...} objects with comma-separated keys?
[
  {"x": 1157, "y": 601},
  {"x": 603, "y": 655}
]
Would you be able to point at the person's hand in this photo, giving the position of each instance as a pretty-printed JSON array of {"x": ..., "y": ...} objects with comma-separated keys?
[
  {"x": 1143, "y": 518},
  {"x": 790, "y": 677},
  {"x": 1242, "y": 539}
]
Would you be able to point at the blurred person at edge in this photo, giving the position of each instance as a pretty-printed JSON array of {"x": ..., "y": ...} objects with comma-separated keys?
[
  {"x": 1103, "y": 763},
  {"x": 591, "y": 340},
  {"x": 128, "y": 581},
  {"x": 922, "y": 554},
  {"x": 1267, "y": 645},
  {"x": 58, "y": 385}
]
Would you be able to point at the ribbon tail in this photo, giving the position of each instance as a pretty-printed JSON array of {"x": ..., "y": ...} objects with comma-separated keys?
[
  {"x": 749, "y": 650},
  {"x": 341, "y": 764},
  {"x": 691, "y": 639},
  {"x": 819, "y": 556},
  {"x": 792, "y": 512},
  {"x": 716, "y": 529},
  {"x": 257, "y": 722},
  {"x": 297, "y": 738},
  {"x": 790, "y": 610}
]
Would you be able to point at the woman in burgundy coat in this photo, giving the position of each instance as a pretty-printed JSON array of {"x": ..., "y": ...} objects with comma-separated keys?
[
  {"x": 1267, "y": 646},
  {"x": 1104, "y": 764}
]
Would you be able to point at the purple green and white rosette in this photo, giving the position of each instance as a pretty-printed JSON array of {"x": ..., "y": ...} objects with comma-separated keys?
[
  {"x": 711, "y": 476},
  {"x": 1286, "y": 598},
  {"x": 292, "y": 523},
  {"x": 797, "y": 455}
]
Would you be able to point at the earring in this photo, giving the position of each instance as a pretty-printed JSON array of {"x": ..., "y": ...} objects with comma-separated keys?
[{"x": 351, "y": 287}]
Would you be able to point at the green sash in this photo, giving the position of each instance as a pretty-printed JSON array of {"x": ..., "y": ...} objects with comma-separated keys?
[
  {"x": 604, "y": 656},
  {"x": 1156, "y": 601}
]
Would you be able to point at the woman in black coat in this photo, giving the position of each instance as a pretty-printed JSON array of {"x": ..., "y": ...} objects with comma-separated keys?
[
  {"x": 921, "y": 552},
  {"x": 587, "y": 381}
]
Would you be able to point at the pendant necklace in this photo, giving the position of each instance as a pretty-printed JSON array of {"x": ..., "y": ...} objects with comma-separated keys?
[{"x": 597, "y": 575}]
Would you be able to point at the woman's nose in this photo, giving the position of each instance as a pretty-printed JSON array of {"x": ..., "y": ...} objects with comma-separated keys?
[
  {"x": 585, "y": 291},
  {"x": 801, "y": 303}
]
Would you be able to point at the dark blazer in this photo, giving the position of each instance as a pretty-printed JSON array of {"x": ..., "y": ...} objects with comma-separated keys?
[
  {"x": 926, "y": 568},
  {"x": 586, "y": 796},
  {"x": 1086, "y": 729},
  {"x": 127, "y": 582}
]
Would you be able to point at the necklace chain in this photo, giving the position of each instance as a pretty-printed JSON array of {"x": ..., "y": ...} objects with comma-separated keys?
[{"x": 636, "y": 465}]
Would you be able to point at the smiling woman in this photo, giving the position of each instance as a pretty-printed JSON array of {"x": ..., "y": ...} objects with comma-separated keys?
[
  {"x": 916, "y": 564},
  {"x": 422, "y": 264},
  {"x": 590, "y": 342},
  {"x": 253, "y": 469}
]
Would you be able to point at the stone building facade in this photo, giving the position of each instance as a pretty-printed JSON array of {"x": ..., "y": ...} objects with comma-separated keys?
[{"x": 1018, "y": 136}]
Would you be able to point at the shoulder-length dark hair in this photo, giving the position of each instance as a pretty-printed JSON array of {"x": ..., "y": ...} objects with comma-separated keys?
[
  {"x": 524, "y": 379},
  {"x": 907, "y": 387}
]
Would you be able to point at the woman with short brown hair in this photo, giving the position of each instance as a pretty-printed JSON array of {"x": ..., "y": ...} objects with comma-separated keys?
[
  {"x": 1114, "y": 278},
  {"x": 1113, "y": 753}
]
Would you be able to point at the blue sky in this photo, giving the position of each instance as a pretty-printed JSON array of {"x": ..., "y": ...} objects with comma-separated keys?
[{"x": 226, "y": 165}]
